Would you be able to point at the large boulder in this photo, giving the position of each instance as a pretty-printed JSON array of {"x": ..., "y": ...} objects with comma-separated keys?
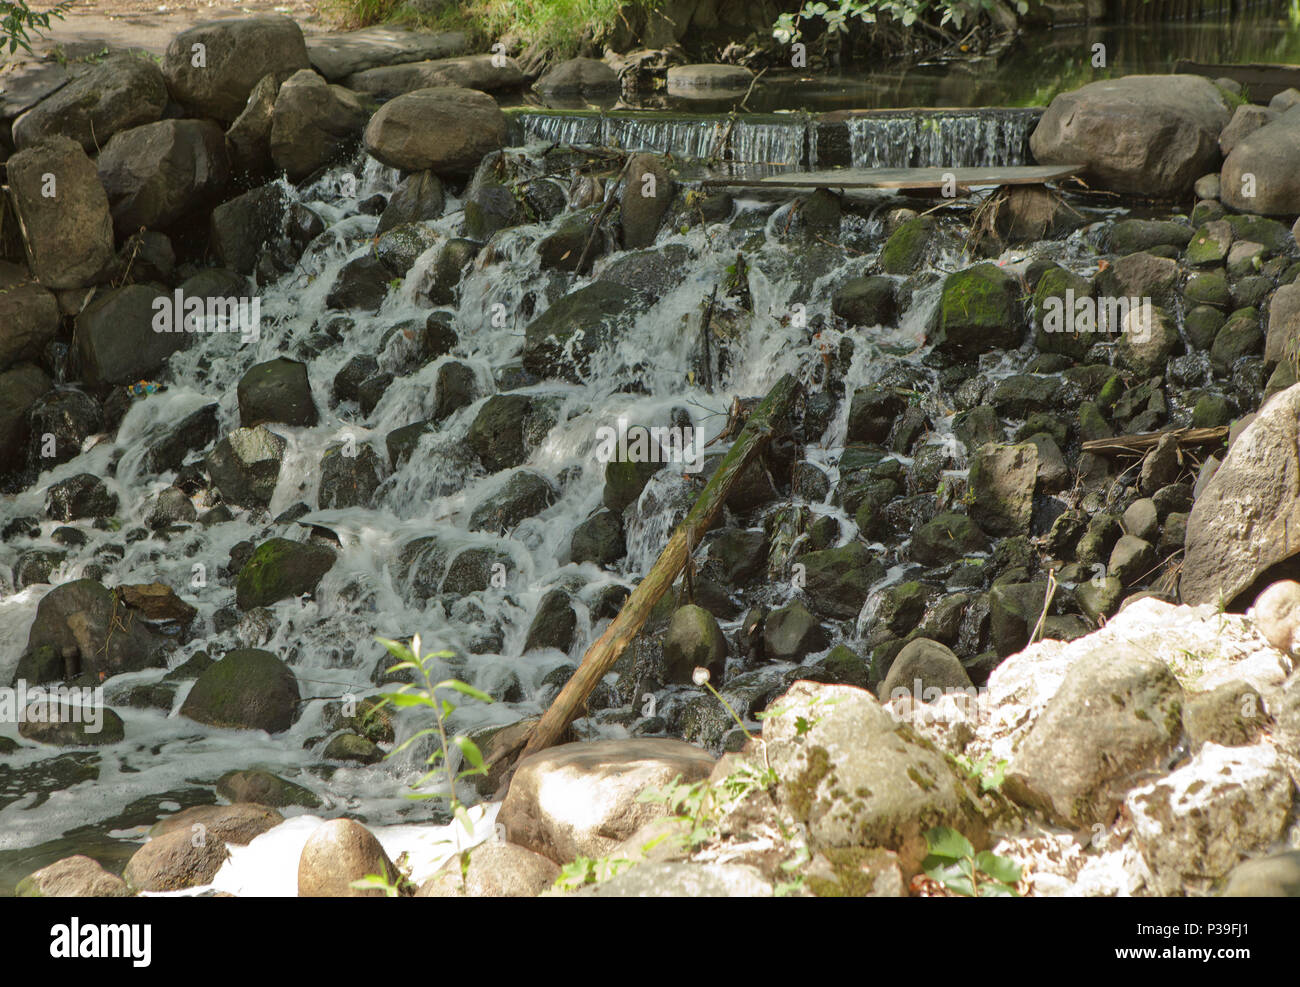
[
  {"x": 20, "y": 388},
  {"x": 175, "y": 861},
  {"x": 239, "y": 228},
  {"x": 249, "y": 137},
  {"x": 979, "y": 311},
  {"x": 443, "y": 129},
  {"x": 338, "y": 853},
  {"x": 647, "y": 191},
  {"x": 1239, "y": 531},
  {"x": 279, "y": 569},
  {"x": 496, "y": 870},
  {"x": 313, "y": 124},
  {"x": 115, "y": 340},
  {"x": 67, "y": 229},
  {"x": 1149, "y": 135},
  {"x": 581, "y": 799},
  {"x": 158, "y": 173},
  {"x": 248, "y": 689},
  {"x": 245, "y": 466},
  {"x": 29, "y": 316},
  {"x": 121, "y": 91},
  {"x": 561, "y": 341},
  {"x": 1002, "y": 479},
  {"x": 72, "y": 877},
  {"x": 276, "y": 391},
  {"x": 483, "y": 72},
  {"x": 1260, "y": 176},
  {"x": 211, "y": 68}
]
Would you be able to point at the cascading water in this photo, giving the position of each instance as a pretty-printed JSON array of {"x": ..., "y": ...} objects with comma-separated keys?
[{"x": 941, "y": 138}]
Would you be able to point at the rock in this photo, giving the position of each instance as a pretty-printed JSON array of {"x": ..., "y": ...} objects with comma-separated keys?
[
  {"x": 1014, "y": 609},
  {"x": 68, "y": 235},
  {"x": 1140, "y": 519},
  {"x": 1107, "y": 723},
  {"x": 1277, "y": 615},
  {"x": 496, "y": 870},
  {"x": 248, "y": 689},
  {"x": 553, "y": 624},
  {"x": 362, "y": 283},
  {"x": 442, "y": 129},
  {"x": 158, "y": 173},
  {"x": 237, "y": 824},
  {"x": 1161, "y": 466},
  {"x": 245, "y": 466},
  {"x": 72, "y": 877},
  {"x": 909, "y": 246},
  {"x": 872, "y": 413},
  {"x": 193, "y": 432},
  {"x": 1238, "y": 528},
  {"x": 264, "y": 788},
  {"x": 1132, "y": 560},
  {"x": 1231, "y": 716},
  {"x": 867, "y": 301},
  {"x": 122, "y": 91},
  {"x": 689, "y": 80},
  {"x": 857, "y": 778},
  {"x": 525, "y": 493},
  {"x": 671, "y": 879},
  {"x": 1002, "y": 480},
  {"x": 1194, "y": 825},
  {"x": 1145, "y": 135},
  {"x": 947, "y": 538},
  {"x": 81, "y": 496},
  {"x": 175, "y": 861},
  {"x": 350, "y": 480},
  {"x": 1246, "y": 119},
  {"x": 239, "y": 228},
  {"x": 838, "y": 580},
  {"x": 419, "y": 197},
  {"x": 581, "y": 799},
  {"x": 578, "y": 76},
  {"x": 693, "y": 640},
  {"x": 1240, "y": 336},
  {"x": 313, "y": 124},
  {"x": 232, "y": 56},
  {"x": 63, "y": 725},
  {"x": 598, "y": 539},
  {"x": 115, "y": 341},
  {"x": 280, "y": 569},
  {"x": 978, "y": 311},
  {"x": 61, "y": 422},
  {"x": 1283, "y": 340},
  {"x": 249, "y": 136},
  {"x": 1148, "y": 337},
  {"x": 337, "y": 55},
  {"x": 338, "y": 853},
  {"x": 456, "y": 388},
  {"x": 1277, "y": 876},
  {"x": 1272, "y": 188},
  {"x": 498, "y": 432},
  {"x": 483, "y": 72},
  {"x": 276, "y": 391},
  {"x": 29, "y": 316},
  {"x": 1141, "y": 275},
  {"x": 647, "y": 191},
  {"x": 790, "y": 633},
  {"x": 560, "y": 342},
  {"x": 921, "y": 666}
]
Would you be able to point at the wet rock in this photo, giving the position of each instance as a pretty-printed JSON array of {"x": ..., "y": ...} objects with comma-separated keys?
[
  {"x": 442, "y": 129},
  {"x": 560, "y": 342},
  {"x": 554, "y": 623},
  {"x": 156, "y": 174},
  {"x": 872, "y": 413},
  {"x": 979, "y": 311},
  {"x": 362, "y": 283},
  {"x": 313, "y": 124},
  {"x": 693, "y": 640},
  {"x": 1196, "y": 824},
  {"x": 350, "y": 480},
  {"x": 1262, "y": 155},
  {"x": 248, "y": 689},
  {"x": 171, "y": 507},
  {"x": 245, "y": 466},
  {"x": 419, "y": 197},
  {"x": 240, "y": 228},
  {"x": 352, "y": 747},
  {"x": 837, "y": 580},
  {"x": 81, "y": 496},
  {"x": 175, "y": 861},
  {"x": 791, "y": 632},
  {"x": 474, "y": 570},
  {"x": 29, "y": 316},
  {"x": 249, "y": 137},
  {"x": 122, "y": 91},
  {"x": 921, "y": 666},
  {"x": 276, "y": 391},
  {"x": 72, "y": 877},
  {"x": 1058, "y": 330},
  {"x": 68, "y": 236},
  {"x": 602, "y": 780},
  {"x": 598, "y": 539},
  {"x": 401, "y": 247},
  {"x": 909, "y": 246},
  {"x": 237, "y": 54},
  {"x": 61, "y": 421},
  {"x": 497, "y": 433},
  {"x": 264, "y": 788},
  {"x": 350, "y": 377},
  {"x": 115, "y": 340},
  {"x": 451, "y": 261},
  {"x": 62, "y": 725},
  {"x": 338, "y": 853},
  {"x": 576, "y": 76},
  {"x": 280, "y": 569},
  {"x": 1107, "y": 723},
  {"x": 525, "y": 494},
  {"x": 195, "y": 431},
  {"x": 647, "y": 191},
  {"x": 1146, "y": 135}
]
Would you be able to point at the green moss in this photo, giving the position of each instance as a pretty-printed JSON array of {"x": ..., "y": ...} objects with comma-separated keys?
[
  {"x": 905, "y": 250},
  {"x": 801, "y": 793}
]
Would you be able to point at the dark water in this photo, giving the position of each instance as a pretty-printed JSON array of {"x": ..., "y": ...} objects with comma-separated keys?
[{"x": 1039, "y": 65}]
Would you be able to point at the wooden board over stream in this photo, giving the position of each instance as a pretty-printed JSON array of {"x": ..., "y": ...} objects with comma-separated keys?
[{"x": 906, "y": 178}]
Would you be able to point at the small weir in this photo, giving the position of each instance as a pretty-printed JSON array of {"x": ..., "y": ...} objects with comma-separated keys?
[{"x": 914, "y": 138}]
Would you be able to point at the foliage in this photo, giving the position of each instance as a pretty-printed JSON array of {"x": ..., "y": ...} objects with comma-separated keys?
[
  {"x": 954, "y": 864},
  {"x": 408, "y": 696},
  {"x": 907, "y": 13},
  {"x": 989, "y": 773},
  {"x": 588, "y": 870},
  {"x": 18, "y": 22}
]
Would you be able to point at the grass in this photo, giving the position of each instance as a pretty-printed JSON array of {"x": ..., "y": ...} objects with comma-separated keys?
[{"x": 560, "y": 27}]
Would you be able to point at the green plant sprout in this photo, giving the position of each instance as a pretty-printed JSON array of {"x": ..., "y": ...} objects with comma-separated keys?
[{"x": 955, "y": 865}]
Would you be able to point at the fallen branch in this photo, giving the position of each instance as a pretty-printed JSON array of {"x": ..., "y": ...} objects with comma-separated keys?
[
  {"x": 602, "y": 655},
  {"x": 1136, "y": 445}
]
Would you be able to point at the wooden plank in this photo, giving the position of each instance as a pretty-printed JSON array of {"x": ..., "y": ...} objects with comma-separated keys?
[
  {"x": 907, "y": 178},
  {"x": 1262, "y": 80}
]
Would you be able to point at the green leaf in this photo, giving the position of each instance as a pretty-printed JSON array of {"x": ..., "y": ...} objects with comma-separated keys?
[
  {"x": 397, "y": 649},
  {"x": 946, "y": 842},
  {"x": 472, "y": 754},
  {"x": 1002, "y": 869},
  {"x": 466, "y": 690}
]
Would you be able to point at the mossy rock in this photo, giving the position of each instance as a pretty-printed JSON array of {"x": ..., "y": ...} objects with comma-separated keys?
[
  {"x": 248, "y": 689},
  {"x": 1202, "y": 324},
  {"x": 280, "y": 569},
  {"x": 1050, "y": 294},
  {"x": 909, "y": 246},
  {"x": 1240, "y": 336},
  {"x": 1208, "y": 288},
  {"x": 979, "y": 311},
  {"x": 837, "y": 580},
  {"x": 264, "y": 788}
]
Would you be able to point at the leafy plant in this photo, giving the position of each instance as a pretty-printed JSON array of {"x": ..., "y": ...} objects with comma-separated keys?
[
  {"x": 18, "y": 22},
  {"x": 588, "y": 870},
  {"x": 990, "y": 774},
  {"x": 837, "y": 19},
  {"x": 955, "y": 865}
]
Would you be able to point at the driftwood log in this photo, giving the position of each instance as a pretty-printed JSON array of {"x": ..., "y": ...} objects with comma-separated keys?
[
  {"x": 1137, "y": 445},
  {"x": 601, "y": 656}
]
